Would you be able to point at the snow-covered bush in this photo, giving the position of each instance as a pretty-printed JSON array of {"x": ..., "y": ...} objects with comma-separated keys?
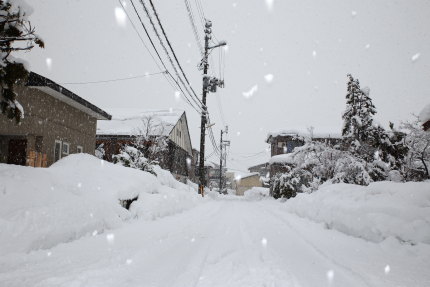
[
  {"x": 418, "y": 157},
  {"x": 349, "y": 169},
  {"x": 297, "y": 180},
  {"x": 132, "y": 157}
]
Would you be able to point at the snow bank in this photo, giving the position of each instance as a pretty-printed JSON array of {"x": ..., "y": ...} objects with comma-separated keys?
[
  {"x": 79, "y": 195},
  {"x": 374, "y": 212},
  {"x": 257, "y": 193}
]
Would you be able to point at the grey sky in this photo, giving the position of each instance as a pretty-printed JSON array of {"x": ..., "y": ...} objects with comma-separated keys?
[{"x": 308, "y": 47}]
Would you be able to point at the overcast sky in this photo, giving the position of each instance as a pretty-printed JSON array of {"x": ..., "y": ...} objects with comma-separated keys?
[{"x": 285, "y": 66}]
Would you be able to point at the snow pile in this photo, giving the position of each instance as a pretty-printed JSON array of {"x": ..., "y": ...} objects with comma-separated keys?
[
  {"x": 375, "y": 212},
  {"x": 257, "y": 193},
  {"x": 79, "y": 195}
]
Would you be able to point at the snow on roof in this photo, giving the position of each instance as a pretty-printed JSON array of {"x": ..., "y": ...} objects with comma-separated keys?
[
  {"x": 302, "y": 133},
  {"x": 129, "y": 121},
  {"x": 282, "y": 158},
  {"x": 424, "y": 115},
  {"x": 241, "y": 176}
]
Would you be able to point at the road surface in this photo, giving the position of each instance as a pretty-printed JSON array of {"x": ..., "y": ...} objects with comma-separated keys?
[{"x": 226, "y": 242}]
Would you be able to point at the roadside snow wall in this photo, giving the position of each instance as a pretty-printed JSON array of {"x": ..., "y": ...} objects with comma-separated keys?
[
  {"x": 374, "y": 212},
  {"x": 77, "y": 196}
]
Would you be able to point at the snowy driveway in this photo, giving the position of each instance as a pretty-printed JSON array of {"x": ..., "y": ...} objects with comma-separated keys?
[{"x": 222, "y": 243}]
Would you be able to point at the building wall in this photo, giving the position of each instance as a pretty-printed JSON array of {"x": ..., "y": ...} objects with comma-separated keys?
[
  {"x": 180, "y": 135},
  {"x": 247, "y": 183},
  {"x": 50, "y": 119}
]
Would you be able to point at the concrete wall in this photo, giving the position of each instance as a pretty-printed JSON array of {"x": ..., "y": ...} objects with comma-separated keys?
[
  {"x": 247, "y": 183},
  {"x": 51, "y": 119}
]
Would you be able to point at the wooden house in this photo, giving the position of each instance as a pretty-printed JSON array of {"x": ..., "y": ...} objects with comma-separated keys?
[
  {"x": 128, "y": 124},
  {"x": 56, "y": 123}
]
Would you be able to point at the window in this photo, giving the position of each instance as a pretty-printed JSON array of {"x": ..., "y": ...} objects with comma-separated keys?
[
  {"x": 66, "y": 148},
  {"x": 57, "y": 150},
  {"x": 281, "y": 144},
  {"x": 79, "y": 149}
]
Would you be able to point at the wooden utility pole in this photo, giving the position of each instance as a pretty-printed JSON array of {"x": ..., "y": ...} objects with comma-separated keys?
[
  {"x": 220, "y": 164},
  {"x": 209, "y": 84}
]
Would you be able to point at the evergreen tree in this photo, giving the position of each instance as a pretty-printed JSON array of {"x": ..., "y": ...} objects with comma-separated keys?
[
  {"x": 358, "y": 116},
  {"x": 16, "y": 34}
]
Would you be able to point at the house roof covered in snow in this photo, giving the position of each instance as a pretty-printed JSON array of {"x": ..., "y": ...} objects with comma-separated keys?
[
  {"x": 301, "y": 133},
  {"x": 246, "y": 175},
  {"x": 424, "y": 115},
  {"x": 132, "y": 121},
  {"x": 286, "y": 158},
  {"x": 62, "y": 94}
]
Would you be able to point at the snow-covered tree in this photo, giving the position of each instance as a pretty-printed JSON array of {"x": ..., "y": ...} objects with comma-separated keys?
[
  {"x": 150, "y": 138},
  {"x": 418, "y": 157},
  {"x": 16, "y": 34},
  {"x": 358, "y": 118},
  {"x": 130, "y": 156}
]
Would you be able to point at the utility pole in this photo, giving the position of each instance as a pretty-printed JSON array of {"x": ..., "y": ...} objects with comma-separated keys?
[
  {"x": 220, "y": 165},
  {"x": 209, "y": 85},
  {"x": 222, "y": 144}
]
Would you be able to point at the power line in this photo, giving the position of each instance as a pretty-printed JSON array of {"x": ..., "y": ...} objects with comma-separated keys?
[
  {"x": 137, "y": 32},
  {"x": 166, "y": 51},
  {"x": 193, "y": 25},
  {"x": 113, "y": 80},
  {"x": 171, "y": 49},
  {"x": 158, "y": 54}
]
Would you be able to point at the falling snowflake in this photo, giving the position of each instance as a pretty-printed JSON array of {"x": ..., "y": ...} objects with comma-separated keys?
[
  {"x": 79, "y": 185},
  {"x": 330, "y": 276},
  {"x": 269, "y": 78},
  {"x": 120, "y": 16},
  {"x": 367, "y": 46},
  {"x": 94, "y": 233},
  {"x": 188, "y": 161},
  {"x": 110, "y": 237},
  {"x": 269, "y": 4},
  {"x": 128, "y": 261},
  {"x": 415, "y": 57},
  {"x": 387, "y": 269},
  {"x": 177, "y": 95},
  {"x": 264, "y": 242},
  {"x": 49, "y": 253},
  {"x": 353, "y": 13},
  {"x": 251, "y": 92},
  {"x": 234, "y": 5},
  {"x": 193, "y": 239},
  {"x": 49, "y": 63},
  {"x": 238, "y": 133},
  {"x": 314, "y": 54}
]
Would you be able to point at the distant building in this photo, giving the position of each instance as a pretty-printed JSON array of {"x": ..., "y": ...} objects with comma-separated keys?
[
  {"x": 56, "y": 123},
  {"x": 246, "y": 182},
  {"x": 424, "y": 117},
  {"x": 127, "y": 124},
  {"x": 262, "y": 169},
  {"x": 285, "y": 141}
]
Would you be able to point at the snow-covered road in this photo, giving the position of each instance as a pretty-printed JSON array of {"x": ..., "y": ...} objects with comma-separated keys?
[{"x": 226, "y": 242}]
